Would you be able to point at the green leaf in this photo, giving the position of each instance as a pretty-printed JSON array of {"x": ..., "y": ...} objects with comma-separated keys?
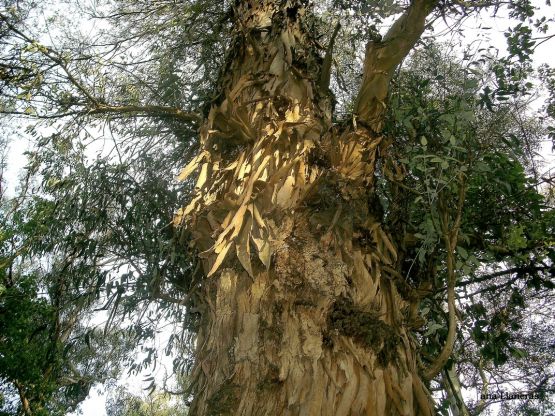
[
  {"x": 462, "y": 252},
  {"x": 518, "y": 353}
]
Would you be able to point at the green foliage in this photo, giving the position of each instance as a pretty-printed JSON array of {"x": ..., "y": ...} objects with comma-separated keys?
[
  {"x": 46, "y": 354},
  {"x": 26, "y": 325},
  {"x": 123, "y": 403},
  {"x": 445, "y": 139},
  {"x": 49, "y": 355}
]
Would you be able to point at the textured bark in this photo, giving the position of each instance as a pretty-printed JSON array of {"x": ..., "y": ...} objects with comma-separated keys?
[{"x": 303, "y": 311}]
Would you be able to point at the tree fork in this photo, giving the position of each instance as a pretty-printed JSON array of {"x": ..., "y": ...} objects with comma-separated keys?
[{"x": 301, "y": 310}]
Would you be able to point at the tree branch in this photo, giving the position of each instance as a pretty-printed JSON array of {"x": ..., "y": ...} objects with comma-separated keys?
[
  {"x": 95, "y": 105},
  {"x": 434, "y": 368},
  {"x": 25, "y": 405},
  {"x": 150, "y": 110},
  {"x": 453, "y": 388},
  {"x": 450, "y": 236},
  {"x": 382, "y": 57},
  {"x": 484, "y": 391},
  {"x": 325, "y": 76},
  {"x": 528, "y": 269}
]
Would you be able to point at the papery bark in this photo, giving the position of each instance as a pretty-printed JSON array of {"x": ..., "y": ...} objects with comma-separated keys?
[{"x": 303, "y": 309}]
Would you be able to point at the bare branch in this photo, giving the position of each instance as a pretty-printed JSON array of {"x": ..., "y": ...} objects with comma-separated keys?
[{"x": 382, "y": 57}]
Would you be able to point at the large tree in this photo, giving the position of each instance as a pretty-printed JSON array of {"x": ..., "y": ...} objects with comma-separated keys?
[{"x": 328, "y": 220}]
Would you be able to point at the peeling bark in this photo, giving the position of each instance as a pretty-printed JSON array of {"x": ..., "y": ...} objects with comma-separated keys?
[{"x": 303, "y": 312}]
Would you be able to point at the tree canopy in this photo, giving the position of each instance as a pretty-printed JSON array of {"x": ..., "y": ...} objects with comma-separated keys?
[{"x": 93, "y": 262}]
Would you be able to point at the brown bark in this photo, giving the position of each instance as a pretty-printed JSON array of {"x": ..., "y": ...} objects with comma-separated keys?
[
  {"x": 383, "y": 57},
  {"x": 25, "y": 405},
  {"x": 303, "y": 311}
]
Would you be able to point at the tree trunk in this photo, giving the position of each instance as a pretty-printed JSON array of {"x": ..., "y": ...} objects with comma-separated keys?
[{"x": 303, "y": 310}]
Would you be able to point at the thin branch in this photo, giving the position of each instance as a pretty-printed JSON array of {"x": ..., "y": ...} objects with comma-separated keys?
[
  {"x": 151, "y": 110},
  {"x": 450, "y": 237},
  {"x": 54, "y": 57},
  {"x": 476, "y": 4},
  {"x": 503, "y": 273},
  {"x": 492, "y": 288},
  {"x": 484, "y": 391}
]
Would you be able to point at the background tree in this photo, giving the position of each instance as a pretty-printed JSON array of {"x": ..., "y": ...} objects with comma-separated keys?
[
  {"x": 334, "y": 234},
  {"x": 124, "y": 404},
  {"x": 51, "y": 357}
]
